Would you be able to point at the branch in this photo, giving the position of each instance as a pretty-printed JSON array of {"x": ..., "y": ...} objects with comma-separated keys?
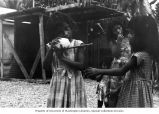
[{"x": 57, "y": 8}]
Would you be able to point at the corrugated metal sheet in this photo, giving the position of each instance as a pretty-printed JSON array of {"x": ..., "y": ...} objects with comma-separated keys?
[{"x": 6, "y": 10}]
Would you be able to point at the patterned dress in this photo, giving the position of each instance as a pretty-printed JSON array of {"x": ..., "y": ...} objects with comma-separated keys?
[
  {"x": 136, "y": 90},
  {"x": 67, "y": 88}
]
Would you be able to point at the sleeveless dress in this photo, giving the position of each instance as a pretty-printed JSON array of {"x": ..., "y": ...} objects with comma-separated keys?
[
  {"x": 136, "y": 90},
  {"x": 67, "y": 88}
]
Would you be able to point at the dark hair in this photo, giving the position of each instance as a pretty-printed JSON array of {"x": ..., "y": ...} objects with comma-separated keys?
[
  {"x": 146, "y": 35},
  {"x": 56, "y": 25},
  {"x": 110, "y": 33}
]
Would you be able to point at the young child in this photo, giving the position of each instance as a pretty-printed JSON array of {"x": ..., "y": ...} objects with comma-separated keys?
[
  {"x": 136, "y": 90},
  {"x": 115, "y": 82},
  {"x": 102, "y": 89}
]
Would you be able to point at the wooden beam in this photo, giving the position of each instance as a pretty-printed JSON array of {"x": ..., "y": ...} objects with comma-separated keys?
[
  {"x": 17, "y": 58},
  {"x": 35, "y": 64},
  {"x": 62, "y": 7},
  {"x": 42, "y": 44},
  {"x": 27, "y": 12},
  {"x": 1, "y": 47}
]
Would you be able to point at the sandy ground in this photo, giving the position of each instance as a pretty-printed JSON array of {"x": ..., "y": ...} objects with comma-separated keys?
[{"x": 20, "y": 94}]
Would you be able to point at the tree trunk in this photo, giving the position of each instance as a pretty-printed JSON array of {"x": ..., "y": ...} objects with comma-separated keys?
[
  {"x": 154, "y": 1},
  {"x": 137, "y": 7},
  {"x": 145, "y": 8}
]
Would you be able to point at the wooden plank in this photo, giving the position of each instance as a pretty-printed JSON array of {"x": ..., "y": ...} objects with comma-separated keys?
[
  {"x": 42, "y": 44},
  {"x": 17, "y": 59},
  {"x": 35, "y": 64},
  {"x": 1, "y": 47}
]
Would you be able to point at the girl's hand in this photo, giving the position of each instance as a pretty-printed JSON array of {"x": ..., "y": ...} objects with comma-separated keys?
[
  {"x": 60, "y": 51},
  {"x": 54, "y": 43},
  {"x": 92, "y": 72}
]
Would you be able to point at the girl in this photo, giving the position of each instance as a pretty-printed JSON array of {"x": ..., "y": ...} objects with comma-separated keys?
[
  {"x": 136, "y": 90},
  {"x": 67, "y": 89},
  {"x": 115, "y": 82}
]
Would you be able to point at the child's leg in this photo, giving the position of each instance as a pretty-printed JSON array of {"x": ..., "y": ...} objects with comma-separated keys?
[
  {"x": 106, "y": 104},
  {"x": 100, "y": 104}
]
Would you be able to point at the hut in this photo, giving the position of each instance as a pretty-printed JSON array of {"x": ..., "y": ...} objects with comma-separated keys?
[{"x": 28, "y": 49}]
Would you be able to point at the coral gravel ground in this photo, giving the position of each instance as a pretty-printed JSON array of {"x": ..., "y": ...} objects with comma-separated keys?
[{"x": 22, "y": 94}]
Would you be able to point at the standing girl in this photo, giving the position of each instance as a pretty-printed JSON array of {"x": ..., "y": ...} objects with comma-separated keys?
[
  {"x": 67, "y": 89},
  {"x": 136, "y": 90}
]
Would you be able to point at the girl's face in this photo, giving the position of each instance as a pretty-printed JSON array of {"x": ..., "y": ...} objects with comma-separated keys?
[
  {"x": 117, "y": 29},
  {"x": 67, "y": 31}
]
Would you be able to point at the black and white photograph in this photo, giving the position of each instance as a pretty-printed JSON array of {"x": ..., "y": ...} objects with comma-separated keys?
[{"x": 79, "y": 55}]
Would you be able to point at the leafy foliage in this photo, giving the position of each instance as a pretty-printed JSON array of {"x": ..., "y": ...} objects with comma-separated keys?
[
  {"x": 17, "y": 4},
  {"x": 157, "y": 11},
  {"x": 53, "y": 3},
  {"x": 25, "y": 4}
]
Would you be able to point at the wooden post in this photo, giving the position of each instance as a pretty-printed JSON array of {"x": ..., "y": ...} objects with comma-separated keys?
[
  {"x": 86, "y": 41},
  {"x": 42, "y": 44},
  {"x": 33, "y": 3},
  {"x": 35, "y": 64},
  {"x": 17, "y": 59},
  {"x": 1, "y": 47}
]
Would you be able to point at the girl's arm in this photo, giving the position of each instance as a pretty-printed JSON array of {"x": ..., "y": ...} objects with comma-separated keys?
[
  {"x": 49, "y": 55},
  {"x": 113, "y": 72},
  {"x": 79, "y": 61}
]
